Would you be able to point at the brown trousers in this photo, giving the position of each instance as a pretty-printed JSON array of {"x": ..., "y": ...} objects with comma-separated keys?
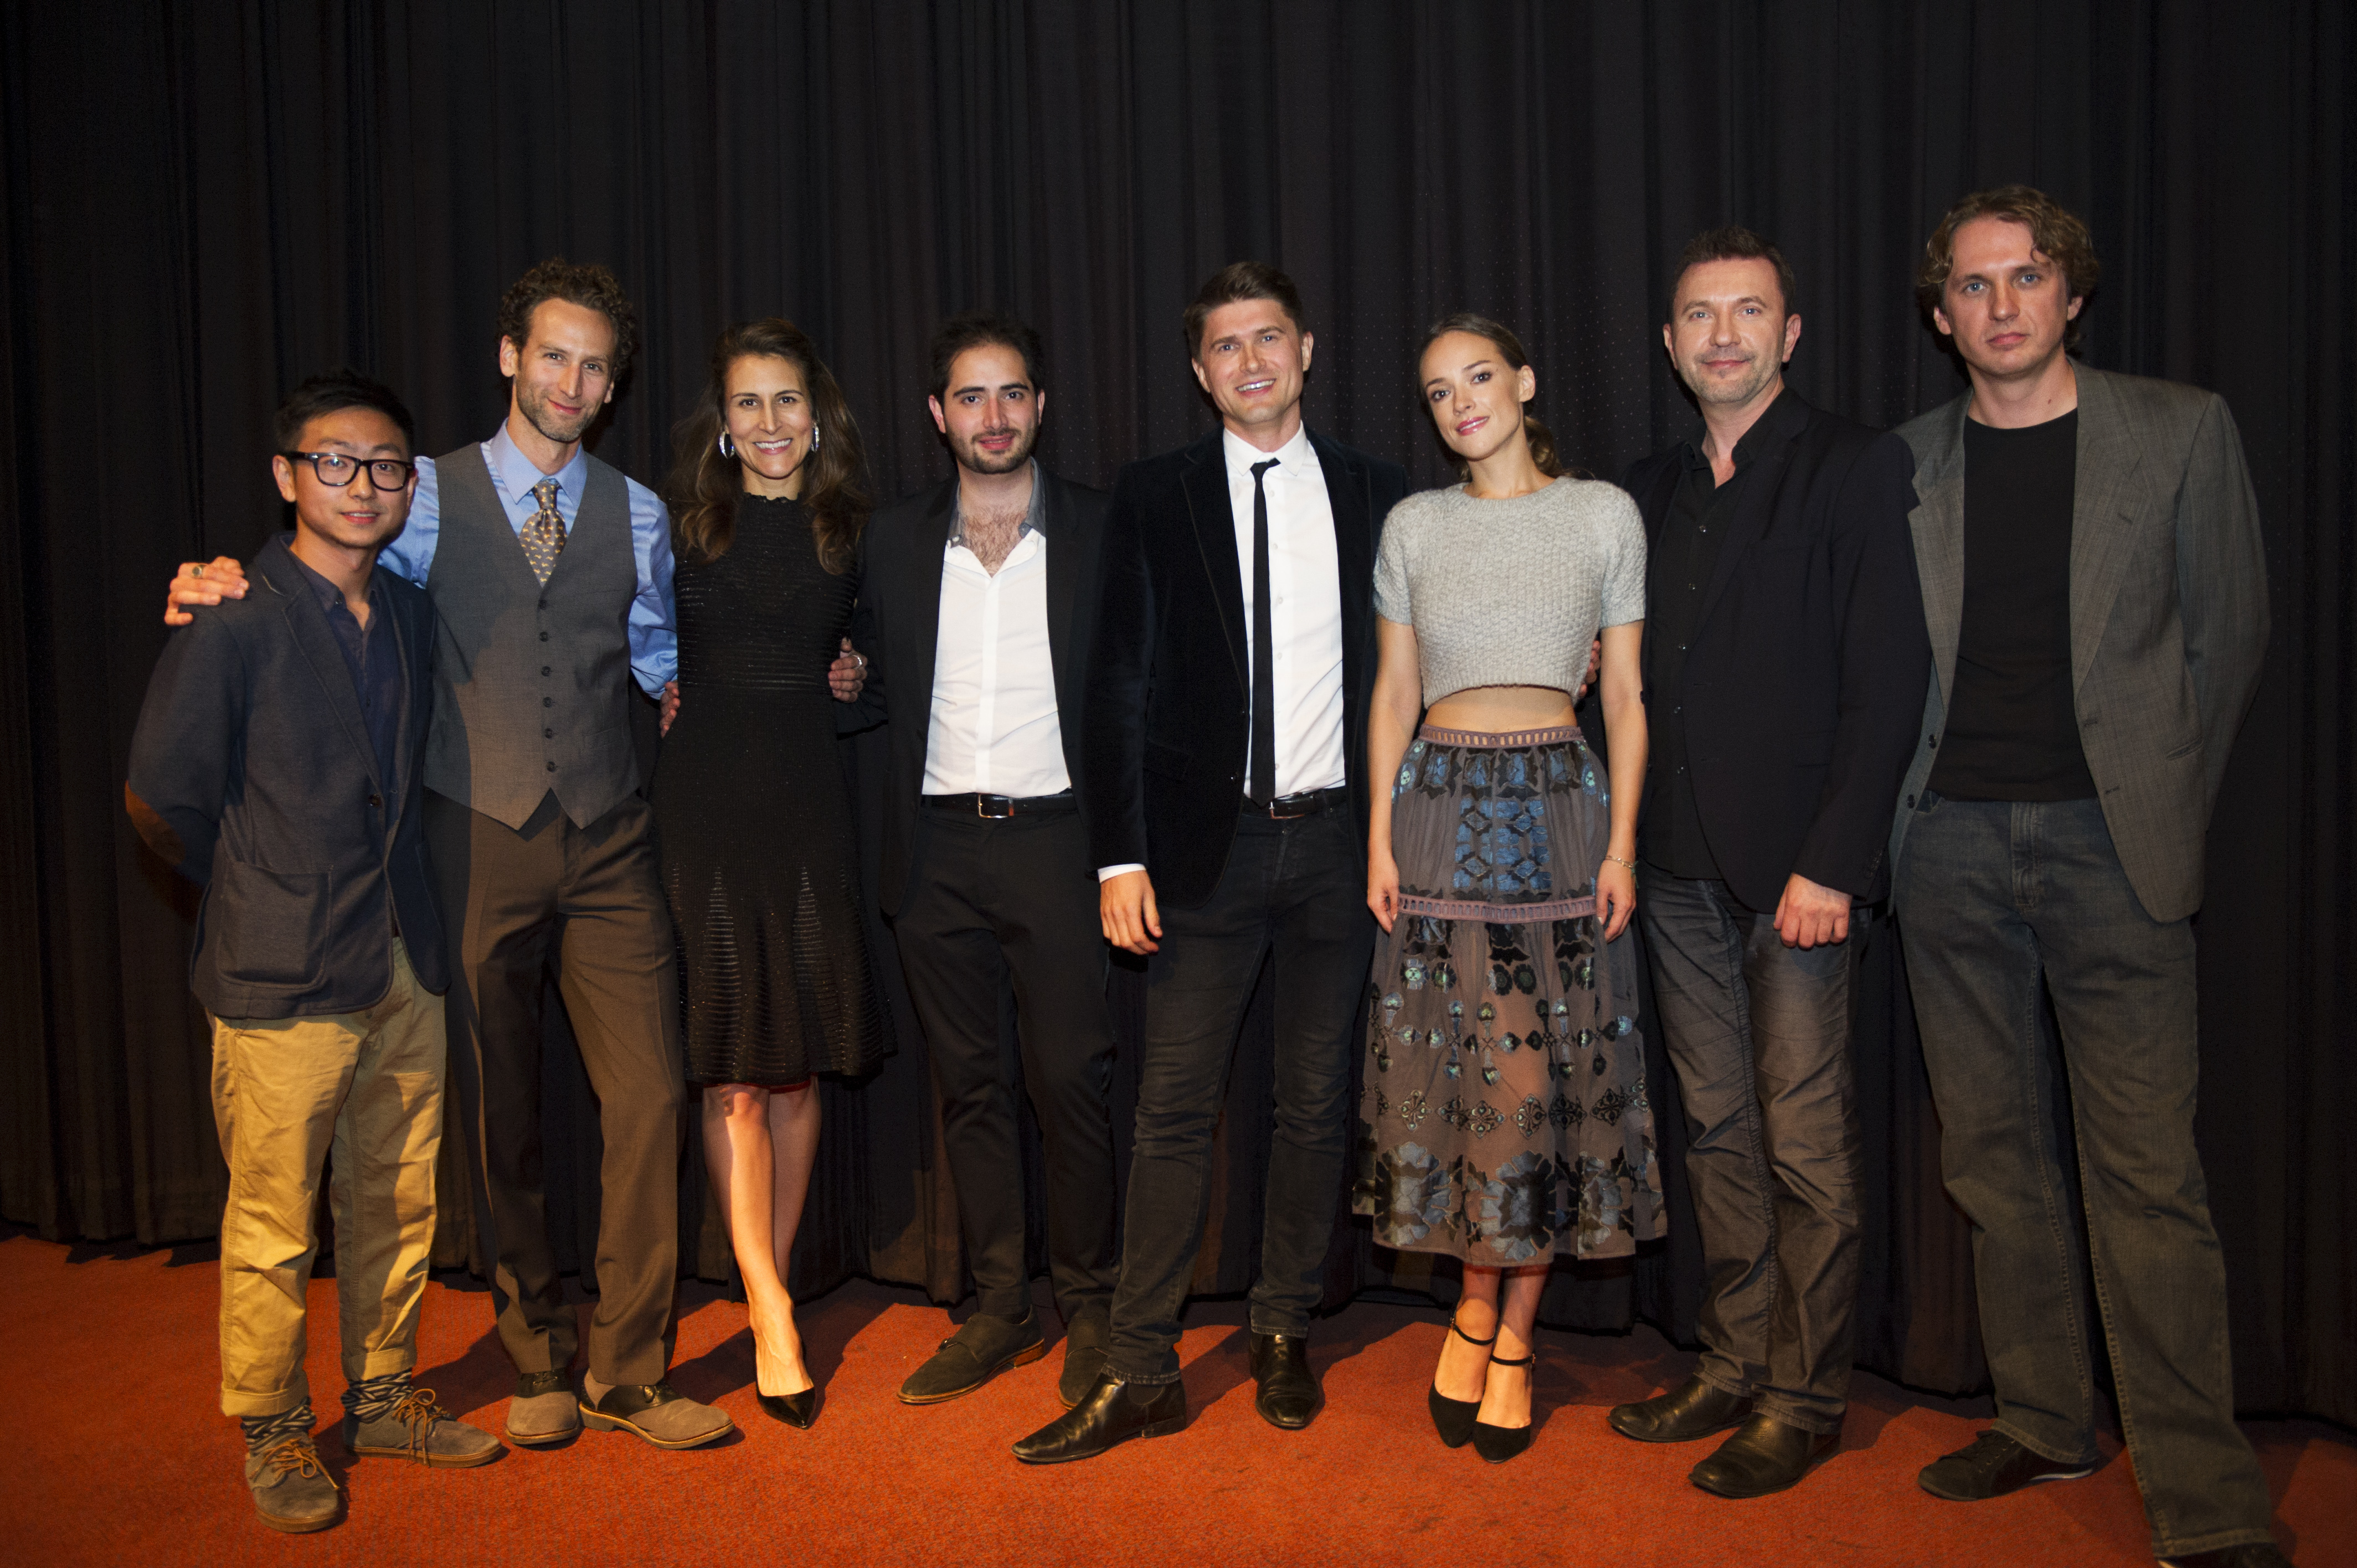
[
  {"x": 588, "y": 899},
  {"x": 286, "y": 1091}
]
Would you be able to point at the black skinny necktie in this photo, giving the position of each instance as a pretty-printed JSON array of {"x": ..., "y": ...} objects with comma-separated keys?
[{"x": 1263, "y": 698}]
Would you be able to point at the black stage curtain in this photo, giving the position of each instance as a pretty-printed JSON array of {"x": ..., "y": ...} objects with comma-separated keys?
[{"x": 202, "y": 202}]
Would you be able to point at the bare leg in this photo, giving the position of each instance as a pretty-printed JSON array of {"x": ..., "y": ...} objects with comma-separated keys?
[
  {"x": 1464, "y": 1366},
  {"x": 747, "y": 1178},
  {"x": 1506, "y": 1400}
]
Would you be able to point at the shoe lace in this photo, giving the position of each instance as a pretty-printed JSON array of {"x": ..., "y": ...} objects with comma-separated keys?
[
  {"x": 297, "y": 1457},
  {"x": 420, "y": 1414},
  {"x": 1988, "y": 1449}
]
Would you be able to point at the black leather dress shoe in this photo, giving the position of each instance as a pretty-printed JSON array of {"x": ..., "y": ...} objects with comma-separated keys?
[
  {"x": 1764, "y": 1456},
  {"x": 1111, "y": 1413},
  {"x": 981, "y": 1349},
  {"x": 1694, "y": 1409},
  {"x": 1088, "y": 1340},
  {"x": 1288, "y": 1396}
]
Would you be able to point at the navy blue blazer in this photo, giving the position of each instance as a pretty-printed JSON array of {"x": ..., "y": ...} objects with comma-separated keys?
[
  {"x": 1169, "y": 694},
  {"x": 252, "y": 773}
]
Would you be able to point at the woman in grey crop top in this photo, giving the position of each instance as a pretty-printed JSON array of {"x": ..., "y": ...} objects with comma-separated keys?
[{"x": 1505, "y": 1077}]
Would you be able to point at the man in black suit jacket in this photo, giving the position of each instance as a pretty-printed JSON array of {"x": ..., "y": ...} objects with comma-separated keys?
[
  {"x": 279, "y": 762},
  {"x": 1785, "y": 658},
  {"x": 978, "y": 602},
  {"x": 1226, "y": 788}
]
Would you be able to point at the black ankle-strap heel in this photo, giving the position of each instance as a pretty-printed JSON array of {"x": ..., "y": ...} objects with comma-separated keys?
[
  {"x": 1499, "y": 1443},
  {"x": 1453, "y": 1419}
]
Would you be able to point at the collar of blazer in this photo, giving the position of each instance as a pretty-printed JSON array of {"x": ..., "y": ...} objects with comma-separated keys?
[
  {"x": 2104, "y": 501},
  {"x": 276, "y": 569},
  {"x": 1203, "y": 481}
]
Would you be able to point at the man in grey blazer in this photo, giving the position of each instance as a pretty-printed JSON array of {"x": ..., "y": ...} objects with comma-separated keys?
[{"x": 2095, "y": 591}]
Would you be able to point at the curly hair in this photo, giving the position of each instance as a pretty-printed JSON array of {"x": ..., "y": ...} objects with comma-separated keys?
[
  {"x": 705, "y": 485},
  {"x": 1509, "y": 347},
  {"x": 2055, "y": 233},
  {"x": 984, "y": 328},
  {"x": 587, "y": 285}
]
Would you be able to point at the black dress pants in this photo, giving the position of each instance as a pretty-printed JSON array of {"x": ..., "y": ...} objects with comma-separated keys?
[
  {"x": 1016, "y": 899},
  {"x": 1299, "y": 887},
  {"x": 591, "y": 895}
]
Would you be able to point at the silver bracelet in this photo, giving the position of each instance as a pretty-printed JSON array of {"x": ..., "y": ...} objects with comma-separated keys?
[{"x": 1618, "y": 861}]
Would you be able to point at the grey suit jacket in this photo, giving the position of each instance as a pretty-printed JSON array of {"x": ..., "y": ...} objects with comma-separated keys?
[{"x": 2169, "y": 611}]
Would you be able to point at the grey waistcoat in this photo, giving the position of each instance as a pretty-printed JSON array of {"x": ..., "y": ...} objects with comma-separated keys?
[{"x": 530, "y": 682}]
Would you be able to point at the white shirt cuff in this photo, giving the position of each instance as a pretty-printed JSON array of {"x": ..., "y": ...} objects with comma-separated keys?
[{"x": 1107, "y": 873}]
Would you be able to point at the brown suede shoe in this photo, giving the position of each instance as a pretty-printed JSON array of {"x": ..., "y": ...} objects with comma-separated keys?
[
  {"x": 544, "y": 1410},
  {"x": 419, "y": 1429},
  {"x": 656, "y": 1411},
  {"x": 292, "y": 1491}
]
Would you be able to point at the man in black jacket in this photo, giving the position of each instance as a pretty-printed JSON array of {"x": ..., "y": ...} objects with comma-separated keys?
[
  {"x": 1785, "y": 658},
  {"x": 1225, "y": 782},
  {"x": 978, "y": 601},
  {"x": 279, "y": 762}
]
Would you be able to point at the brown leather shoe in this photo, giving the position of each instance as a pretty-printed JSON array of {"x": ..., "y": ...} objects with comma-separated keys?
[
  {"x": 1694, "y": 1409},
  {"x": 656, "y": 1411}
]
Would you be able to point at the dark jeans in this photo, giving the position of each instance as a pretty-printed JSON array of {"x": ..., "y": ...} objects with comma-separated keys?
[
  {"x": 1297, "y": 886},
  {"x": 591, "y": 896},
  {"x": 1760, "y": 1035},
  {"x": 2000, "y": 901},
  {"x": 994, "y": 901}
]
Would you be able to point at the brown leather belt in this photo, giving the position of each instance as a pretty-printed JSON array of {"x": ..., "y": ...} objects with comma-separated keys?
[
  {"x": 1308, "y": 803},
  {"x": 1003, "y": 805}
]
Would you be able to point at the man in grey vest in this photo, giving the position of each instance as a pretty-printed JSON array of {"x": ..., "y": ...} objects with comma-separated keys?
[{"x": 551, "y": 577}]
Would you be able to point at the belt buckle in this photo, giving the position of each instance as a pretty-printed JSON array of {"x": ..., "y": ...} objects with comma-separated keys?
[
  {"x": 992, "y": 805},
  {"x": 1289, "y": 808}
]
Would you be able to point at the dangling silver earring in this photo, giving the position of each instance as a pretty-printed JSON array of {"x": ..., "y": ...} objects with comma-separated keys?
[
  {"x": 728, "y": 447},
  {"x": 813, "y": 437}
]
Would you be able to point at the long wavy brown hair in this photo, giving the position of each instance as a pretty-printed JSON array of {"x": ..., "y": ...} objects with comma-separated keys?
[
  {"x": 1509, "y": 348},
  {"x": 705, "y": 485}
]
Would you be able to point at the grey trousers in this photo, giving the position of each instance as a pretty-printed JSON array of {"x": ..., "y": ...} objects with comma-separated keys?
[
  {"x": 1759, "y": 1035},
  {"x": 2002, "y": 901}
]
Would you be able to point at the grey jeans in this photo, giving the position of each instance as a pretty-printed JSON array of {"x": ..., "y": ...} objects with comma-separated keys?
[
  {"x": 1760, "y": 1035},
  {"x": 2000, "y": 901}
]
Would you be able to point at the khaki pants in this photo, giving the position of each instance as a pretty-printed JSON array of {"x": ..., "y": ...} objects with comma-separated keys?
[{"x": 286, "y": 1090}]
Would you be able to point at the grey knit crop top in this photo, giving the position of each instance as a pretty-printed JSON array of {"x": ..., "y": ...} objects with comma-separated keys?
[{"x": 1511, "y": 593}]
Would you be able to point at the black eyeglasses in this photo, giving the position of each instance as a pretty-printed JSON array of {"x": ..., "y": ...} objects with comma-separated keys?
[{"x": 335, "y": 470}]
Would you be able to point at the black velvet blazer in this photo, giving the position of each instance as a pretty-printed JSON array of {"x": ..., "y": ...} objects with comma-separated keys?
[
  {"x": 898, "y": 626},
  {"x": 1169, "y": 700},
  {"x": 1805, "y": 677}
]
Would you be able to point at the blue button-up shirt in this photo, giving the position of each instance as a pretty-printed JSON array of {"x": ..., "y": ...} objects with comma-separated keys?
[{"x": 654, "y": 628}]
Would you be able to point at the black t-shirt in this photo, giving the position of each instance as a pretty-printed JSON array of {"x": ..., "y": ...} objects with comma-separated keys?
[{"x": 2013, "y": 728}]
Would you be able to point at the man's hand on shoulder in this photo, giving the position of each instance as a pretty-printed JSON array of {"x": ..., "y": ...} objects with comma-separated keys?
[
  {"x": 1131, "y": 921},
  {"x": 202, "y": 583}
]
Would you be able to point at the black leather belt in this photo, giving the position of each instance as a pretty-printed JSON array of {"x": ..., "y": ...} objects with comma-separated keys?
[
  {"x": 1003, "y": 805},
  {"x": 1308, "y": 803}
]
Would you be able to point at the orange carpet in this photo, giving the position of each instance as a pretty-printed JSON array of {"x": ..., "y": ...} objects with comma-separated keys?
[{"x": 122, "y": 1457}]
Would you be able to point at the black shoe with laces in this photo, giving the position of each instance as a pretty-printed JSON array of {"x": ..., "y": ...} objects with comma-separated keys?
[{"x": 1991, "y": 1465}]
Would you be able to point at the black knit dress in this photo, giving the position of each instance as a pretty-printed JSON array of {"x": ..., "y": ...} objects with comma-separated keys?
[{"x": 754, "y": 823}]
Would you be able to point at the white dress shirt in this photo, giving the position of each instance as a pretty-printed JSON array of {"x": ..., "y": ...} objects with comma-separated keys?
[
  {"x": 1305, "y": 582},
  {"x": 995, "y": 729}
]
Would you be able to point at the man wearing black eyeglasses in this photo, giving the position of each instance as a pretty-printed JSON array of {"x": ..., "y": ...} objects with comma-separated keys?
[{"x": 280, "y": 763}]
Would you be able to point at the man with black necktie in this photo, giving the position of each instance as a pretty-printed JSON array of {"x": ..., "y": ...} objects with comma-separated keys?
[
  {"x": 978, "y": 602},
  {"x": 1224, "y": 781}
]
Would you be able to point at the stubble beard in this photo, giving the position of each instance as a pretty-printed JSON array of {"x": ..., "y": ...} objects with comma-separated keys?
[{"x": 972, "y": 457}]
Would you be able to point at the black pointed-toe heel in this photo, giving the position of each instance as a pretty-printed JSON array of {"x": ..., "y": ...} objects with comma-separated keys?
[
  {"x": 797, "y": 1410},
  {"x": 1499, "y": 1443},
  {"x": 1453, "y": 1419}
]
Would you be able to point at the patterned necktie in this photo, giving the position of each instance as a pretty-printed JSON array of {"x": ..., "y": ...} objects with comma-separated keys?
[{"x": 543, "y": 536}]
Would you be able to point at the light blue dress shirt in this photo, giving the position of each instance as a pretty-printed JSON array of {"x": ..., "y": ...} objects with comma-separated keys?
[{"x": 654, "y": 628}]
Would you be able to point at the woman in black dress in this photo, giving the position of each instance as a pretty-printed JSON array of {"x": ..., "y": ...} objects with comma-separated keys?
[{"x": 750, "y": 810}]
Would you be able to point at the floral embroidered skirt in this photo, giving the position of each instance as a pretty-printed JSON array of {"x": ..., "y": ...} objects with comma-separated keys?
[{"x": 1504, "y": 1118}]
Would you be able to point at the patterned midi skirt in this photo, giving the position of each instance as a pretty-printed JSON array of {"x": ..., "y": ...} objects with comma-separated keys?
[{"x": 1504, "y": 1118}]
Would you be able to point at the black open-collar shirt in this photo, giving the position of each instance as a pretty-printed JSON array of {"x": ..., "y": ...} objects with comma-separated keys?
[
  {"x": 1678, "y": 571},
  {"x": 372, "y": 658}
]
